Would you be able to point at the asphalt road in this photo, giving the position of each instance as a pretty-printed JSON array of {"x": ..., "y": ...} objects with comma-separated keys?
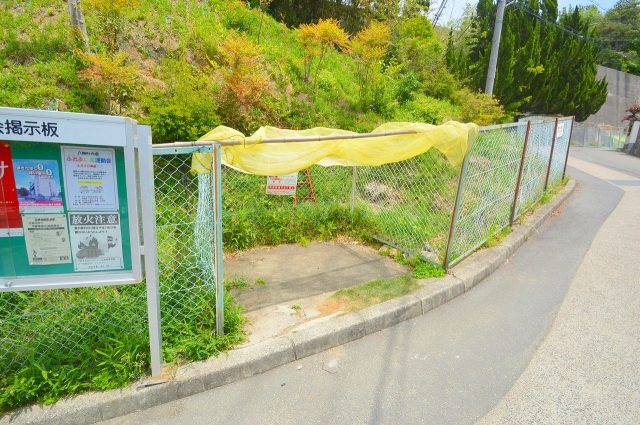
[{"x": 498, "y": 353}]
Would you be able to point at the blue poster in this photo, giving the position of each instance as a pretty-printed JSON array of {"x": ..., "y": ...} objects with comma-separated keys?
[{"x": 38, "y": 186}]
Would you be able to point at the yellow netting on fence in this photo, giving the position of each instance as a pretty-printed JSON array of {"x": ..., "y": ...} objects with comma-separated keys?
[{"x": 453, "y": 139}]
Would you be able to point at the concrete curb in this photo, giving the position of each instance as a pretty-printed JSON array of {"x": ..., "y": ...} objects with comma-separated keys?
[{"x": 244, "y": 362}]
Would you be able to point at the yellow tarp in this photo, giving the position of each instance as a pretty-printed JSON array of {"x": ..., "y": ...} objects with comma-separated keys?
[{"x": 453, "y": 139}]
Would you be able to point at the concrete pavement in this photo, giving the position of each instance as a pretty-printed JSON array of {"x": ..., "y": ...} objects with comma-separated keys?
[{"x": 587, "y": 369}]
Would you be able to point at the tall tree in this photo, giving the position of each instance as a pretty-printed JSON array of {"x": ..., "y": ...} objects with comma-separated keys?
[
  {"x": 619, "y": 30},
  {"x": 544, "y": 66},
  {"x": 317, "y": 39},
  {"x": 368, "y": 48},
  {"x": 112, "y": 20},
  {"x": 417, "y": 47}
]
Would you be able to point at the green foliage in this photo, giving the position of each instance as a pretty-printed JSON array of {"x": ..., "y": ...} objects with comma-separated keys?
[
  {"x": 419, "y": 50},
  {"x": 317, "y": 39},
  {"x": 478, "y": 107},
  {"x": 185, "y": 107},
  {"x": 87, "y": 362},
  {"x": 427, "y": 270},
  {"x": 496, "y": 236},
  {"x": 353, "y": 15},
  {"x": 109, "y": 20},
  {"x": 245, "y": 93},
  {"x": 112, "y": 76},
  {"x": 368, "y": 47},
  {"x": 185, "y": 68},
  {"x": 429, "y": 110},
  {"x": 405, "y": 88},
  {"x": 237, "y": 282},
  {"x": 541, "y": 69},
  {"x": 104, "y": 357},
  {"x": 619, "y": 30},
  {"x": 256, "y": 226}
]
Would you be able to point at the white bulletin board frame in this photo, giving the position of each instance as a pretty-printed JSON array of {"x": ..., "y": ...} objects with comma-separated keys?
[{"x": 67, "y": 129}]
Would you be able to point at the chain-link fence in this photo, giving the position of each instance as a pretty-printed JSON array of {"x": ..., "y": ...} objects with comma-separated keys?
[
  {"x": 598, "y": 135},
  {"x": 185, "y": 228},
  {"x": 409, "y": 205},
  {"x": 488, "y": 187},
  {"x": 536, "y": 163},
  {"x": 251, "y": 217},
  {"x": 70, "y": 331},
  {"x": 410, "y": 202}
]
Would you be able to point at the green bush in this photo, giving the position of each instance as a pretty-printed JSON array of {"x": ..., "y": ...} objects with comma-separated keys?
[
  {"x": 431, "y": 111},
  {"x": 428, "y": 270}
]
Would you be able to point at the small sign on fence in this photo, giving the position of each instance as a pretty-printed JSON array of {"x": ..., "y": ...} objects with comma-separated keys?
[
  {"x": 560, "y": 129},
  {"x": 282, "y": 185}
]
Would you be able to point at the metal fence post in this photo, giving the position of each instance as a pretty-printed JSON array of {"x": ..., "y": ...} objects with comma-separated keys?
[
  {"x": 353, "y": 189},
  {"x": 553, "y": 145},
  {"x": 566, "y": 159},
  {"x": 520, "y": 172},
  {"x": 216, "y": 169},
  {"x": 147, "y": 195},
  {"x": 456, "y": 210}
]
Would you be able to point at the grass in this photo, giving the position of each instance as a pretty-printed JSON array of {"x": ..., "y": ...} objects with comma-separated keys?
[
  {"x": 374, "y": 292},
  {"x": 427, "y": 270},
  {"x": 497, "y": 237}
]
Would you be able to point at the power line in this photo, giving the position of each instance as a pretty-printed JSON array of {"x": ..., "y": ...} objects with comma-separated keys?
[
  {"x": 439, "y": 12},
  {"x": 600, "y": 7}
]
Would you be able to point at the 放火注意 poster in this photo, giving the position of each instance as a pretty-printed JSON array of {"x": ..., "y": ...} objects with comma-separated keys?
[
  {"x": 96, "y": 241},
  {"x": 90, "y": 178}
]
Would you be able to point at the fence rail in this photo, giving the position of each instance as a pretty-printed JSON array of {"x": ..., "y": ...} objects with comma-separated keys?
[{"x": 423, "y": 206}]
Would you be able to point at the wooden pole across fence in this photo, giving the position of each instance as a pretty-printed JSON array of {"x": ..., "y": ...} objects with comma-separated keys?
[{"x": 283, "y": 139}]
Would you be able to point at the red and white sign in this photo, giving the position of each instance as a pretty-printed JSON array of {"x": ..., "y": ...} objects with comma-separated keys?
[
  {"x": 10, "y": 221},
  {"x": 282, "y": 185}
]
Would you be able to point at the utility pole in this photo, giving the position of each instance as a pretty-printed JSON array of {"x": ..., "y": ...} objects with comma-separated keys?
[{"x": 495, "y": 47}]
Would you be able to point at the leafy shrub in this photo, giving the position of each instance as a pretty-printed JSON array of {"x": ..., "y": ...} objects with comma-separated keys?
[
  {"x": 427, "y": 270},
  {"x": 406, "y": 87},
  {"x": 185, "y": 108},
  {"x": 431, "y": 111},
  {"x": 480, "y": 108},
  {"x": 246, "y": 94}
]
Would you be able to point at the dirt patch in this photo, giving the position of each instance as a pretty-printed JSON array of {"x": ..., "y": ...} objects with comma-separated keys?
[{"x": 334, "y": 305}]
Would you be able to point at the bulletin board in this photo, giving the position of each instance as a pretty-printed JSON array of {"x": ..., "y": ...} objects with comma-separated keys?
[{"x": 68, "y": 200}]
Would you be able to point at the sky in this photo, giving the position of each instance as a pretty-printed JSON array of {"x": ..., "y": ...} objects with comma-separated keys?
[{"x": 454, "y": 8}]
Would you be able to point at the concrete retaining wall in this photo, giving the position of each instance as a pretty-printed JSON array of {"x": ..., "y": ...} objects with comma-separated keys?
[{"x": 624, "y": 91}]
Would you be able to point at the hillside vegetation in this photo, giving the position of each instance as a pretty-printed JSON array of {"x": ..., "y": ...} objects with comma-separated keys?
[{"x": 187, "y": 66}]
